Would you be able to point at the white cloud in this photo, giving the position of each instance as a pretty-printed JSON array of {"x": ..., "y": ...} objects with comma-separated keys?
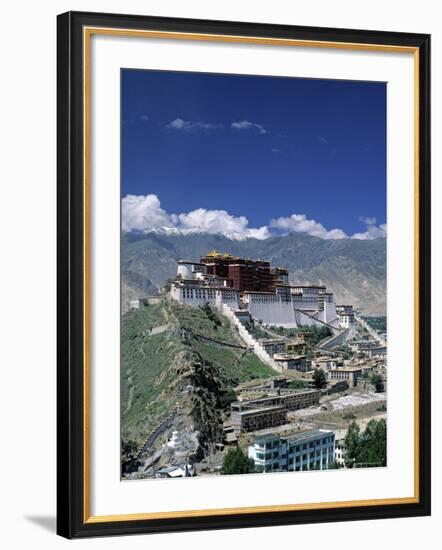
[
  {"x": 299, "y": 223},
  {"x": 144, "y": 213},
  {"x": 218, "y": 221},
  {"x": 373, "y": 231},
  {"x": 246, "y": 125},
  {"x": 260, "y": 233},
  {"x": 367, "y": 220},
  {"x": 187, "y": 126},
  {"x": 144, "y": 118}
]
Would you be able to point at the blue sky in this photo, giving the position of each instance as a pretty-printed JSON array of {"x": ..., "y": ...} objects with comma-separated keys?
[{"x": 258, "y": 148}]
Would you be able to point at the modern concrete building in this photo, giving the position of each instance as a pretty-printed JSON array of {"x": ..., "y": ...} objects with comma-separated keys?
[
  {"x": 301, "y": 399},
  {"x": 302, "y": 451},
  {"x": 291, "y": 400}
]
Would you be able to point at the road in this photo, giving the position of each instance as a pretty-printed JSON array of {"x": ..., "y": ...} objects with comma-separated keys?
[{"x": 372, "y": 332}]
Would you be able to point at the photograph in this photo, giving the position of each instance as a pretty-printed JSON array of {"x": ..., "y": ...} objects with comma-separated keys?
[{"x": 253, "y": 331}]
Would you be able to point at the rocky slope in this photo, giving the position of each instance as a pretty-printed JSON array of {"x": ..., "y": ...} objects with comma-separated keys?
[{"x": 184, "y": 362}]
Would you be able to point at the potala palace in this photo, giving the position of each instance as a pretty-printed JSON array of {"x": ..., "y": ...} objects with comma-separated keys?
[{"x": 253, "y": 287}]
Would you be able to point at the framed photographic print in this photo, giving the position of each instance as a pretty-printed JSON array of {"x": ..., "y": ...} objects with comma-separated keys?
[{"x": 243, "y": 274}]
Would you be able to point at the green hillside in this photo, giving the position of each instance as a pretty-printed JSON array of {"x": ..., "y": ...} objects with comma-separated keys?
[
  {"x": 354, "y": 270},
  {"x": 167, "y": 348}
]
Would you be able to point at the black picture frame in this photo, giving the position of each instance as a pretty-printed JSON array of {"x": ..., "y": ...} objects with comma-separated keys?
[{"x": 71, "y": 520}]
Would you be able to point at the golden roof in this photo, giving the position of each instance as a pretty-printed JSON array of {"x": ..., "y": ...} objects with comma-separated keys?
[{"x": 216, "y": 254}]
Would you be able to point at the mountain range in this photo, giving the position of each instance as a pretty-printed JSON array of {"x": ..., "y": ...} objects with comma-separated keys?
[{"x": 354, "y": 270}]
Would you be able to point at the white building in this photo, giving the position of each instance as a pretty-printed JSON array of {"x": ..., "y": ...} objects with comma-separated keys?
[
  {"x": 346, "y": 315},
  {"x": 324, "y": 362},
  {"x": 349, "y": 374},
  {"x": 189, "y": 270},
  {"x": 280, "y": 304},
  {"x": 302, "y": 451},
  {"x": 192, "y": 294},
  {"x": 340, "y": 452}
]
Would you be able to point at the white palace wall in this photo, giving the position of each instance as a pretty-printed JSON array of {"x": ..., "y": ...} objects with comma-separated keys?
[
  {"x": 198, "y": 296},
  {"x": 249, "y": 340},
  {"x": 271, "y": 310}
]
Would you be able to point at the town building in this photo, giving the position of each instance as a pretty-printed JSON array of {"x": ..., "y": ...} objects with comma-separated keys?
[
  {"x": 272, "y": 346},
  {"x": 340, "y": 452},
  {"x": 362, "y": 346},
  {"x": 324, "y": 362},
  {"x": 269, "y": 411},
  {"x": 337, "y": 386},
  {"x": 291, "y": 400},
  {"x": 278, "y": 382},
  {"x": 296, "y": 346},
  {"x": 251, "y": 420},
  {"x": 378, "y": 352},
  {"x": 346, "y": 315},
  {"x": 350, "y": 374},
  {"x": 302, "y": 451},
  {"x": 291, "y": 362},
  {"x": 253, "y": 286}
]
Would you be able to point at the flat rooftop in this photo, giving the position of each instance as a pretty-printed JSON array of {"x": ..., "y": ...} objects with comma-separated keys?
[
  {"x": 287, "y": 357},
  {"x": 308, "y": 435},
  {"x": 261, "y": 410},
  {"x": 299, "y": 437},
  {"x": 346, "y": 369}
]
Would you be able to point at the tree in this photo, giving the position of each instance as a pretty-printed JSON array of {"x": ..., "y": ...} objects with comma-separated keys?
[
  {"x": 235, "y": 462},
  {"x": 227, "y": 396},
  {"x": 368, "y": 448},
  {"x": 378, "y": 382},
  {"x": 211, "y": 315},
  {"x": 319, "y": 378},
  {"x": 373, "y": 444},
  {"x": 352, "y": 444},
  {"x": 297, "y": 384},
  {"x": 128, "y": 454},
  {"x": 346, "y": 351}
]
